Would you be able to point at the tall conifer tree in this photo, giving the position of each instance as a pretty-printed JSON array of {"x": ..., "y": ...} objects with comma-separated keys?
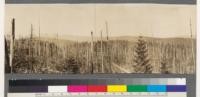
[{"x": 142, "y": 64}]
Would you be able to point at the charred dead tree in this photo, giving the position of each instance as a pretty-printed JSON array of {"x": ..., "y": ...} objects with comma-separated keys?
[
  {"x": 87, "y": 58},
  {"x": 12, "y": 41},
  {"x": 31, "y": 50},
  {"x": 108, "y": 52},
  {"x": 57, "y": 41},
  {"x": 7, "y": 65},
  {"x": 192, "y": 45},
  {"x": 39, "y": 47},
  {"x": 102, "y": 67},
  {"x": 92, "y": 50},
  {"x": 142, "y": 64}
]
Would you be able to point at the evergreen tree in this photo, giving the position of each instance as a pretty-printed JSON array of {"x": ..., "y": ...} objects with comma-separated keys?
[
  {"x": 71, "y": 66},
  {"x": 142, "y": 64},
  {"x": 164, "y": 67}
]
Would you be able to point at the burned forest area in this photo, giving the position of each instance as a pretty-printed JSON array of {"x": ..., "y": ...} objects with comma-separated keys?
[{"x": 104, "y": 54}]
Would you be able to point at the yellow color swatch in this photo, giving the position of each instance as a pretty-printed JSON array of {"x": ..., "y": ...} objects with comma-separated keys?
[{"x": 116, "y": 88}]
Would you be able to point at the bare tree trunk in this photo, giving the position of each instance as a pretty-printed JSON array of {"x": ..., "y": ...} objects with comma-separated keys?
[
  {"x": 57, "y": 42},
  {"x": 193, "y": 55},
  {"x": 92, "y": 49},
  {"x": 31, "y": 48},
  {"x": 108, "y": 50},
  {"x": 7, "y": 65},
  {"x": 12, "y": 40},
  {"x": 87, "y": 61},
  {"x": 39, "y": 40},
  {"x": 102, "y": 67}
]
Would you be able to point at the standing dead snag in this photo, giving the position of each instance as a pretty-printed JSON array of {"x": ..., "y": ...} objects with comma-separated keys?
[
  {"x": 102, "y": 67},
  {"x": 31, "y": 50},
  {"x": 57, "y": 41},
  {"x": 7, "y": 65},
  {"x": 87, "y": 61},
  {"x": 141, "y": 58},
  {"x": 108, "y": 52},
  {"x": 39, "y": 47},
  {"x": 193, "y": 54},
  {"x": 92, "y": 49},
  {"x": 12, "y": 41}
]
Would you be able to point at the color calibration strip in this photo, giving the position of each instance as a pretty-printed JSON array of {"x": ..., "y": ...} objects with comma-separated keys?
[
  {"x": 118, "y": 88},
  {"x": 98, "y": 85}
]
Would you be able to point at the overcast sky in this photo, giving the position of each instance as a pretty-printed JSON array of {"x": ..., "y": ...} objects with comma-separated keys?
[{"x": 154, "y": 20}]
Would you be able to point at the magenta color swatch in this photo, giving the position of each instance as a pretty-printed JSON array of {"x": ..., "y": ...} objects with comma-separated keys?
[{"x": 77, "y": 88}]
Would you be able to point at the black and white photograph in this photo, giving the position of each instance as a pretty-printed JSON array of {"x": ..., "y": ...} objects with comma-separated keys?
[{"x": 100, "y": 38}]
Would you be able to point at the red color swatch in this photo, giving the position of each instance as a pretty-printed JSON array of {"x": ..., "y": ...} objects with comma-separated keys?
[{"x": 97, "y": 88}]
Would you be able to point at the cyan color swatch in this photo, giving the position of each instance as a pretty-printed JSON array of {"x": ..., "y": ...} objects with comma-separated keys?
[{"x": 156, "y": 88}]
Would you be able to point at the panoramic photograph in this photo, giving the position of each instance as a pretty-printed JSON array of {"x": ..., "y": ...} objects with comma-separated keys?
[{"x": 100, "y": 38}]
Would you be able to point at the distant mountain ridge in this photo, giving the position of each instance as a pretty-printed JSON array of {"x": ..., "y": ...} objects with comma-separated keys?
[{"x": 86, "y": 38}]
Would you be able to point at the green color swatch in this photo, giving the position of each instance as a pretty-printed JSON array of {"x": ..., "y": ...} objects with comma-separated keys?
[{"x": 136, "y": 88}]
